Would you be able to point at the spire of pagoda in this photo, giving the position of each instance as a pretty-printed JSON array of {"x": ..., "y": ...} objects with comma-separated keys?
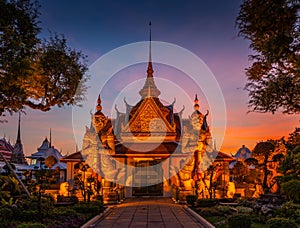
[
  {"x": 50, "y": 139},
  {"x": 150, "y": 68},
  {"x": 17, "y": 156},
  {"x": 149, "y": 84},
  {"x": 19, "y": 134}
]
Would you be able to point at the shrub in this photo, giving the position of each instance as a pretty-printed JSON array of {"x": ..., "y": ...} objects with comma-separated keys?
[
  {"x": 85, "y": 208},
  {"x": 241, "y": 209},
  {"x": 60, "y": 212},
  {"x": 68, "y": 222},
  {"x": 206, "y": 202},
  {"x": 292, "y": 190},
  {"x": 32, "y": 210},
  {"x": 289, "y": 210},
  {"x": 5, "y": 213},
  {"x": 191, "y": 199},
  {"x": 31, "y": 225},
  {"x": 239, "y": 221},
  {"x": 247, "y": 203},
  {"x": 281, "y": 223},
  {"x": 224, "y": 209},
  {"x": 69, "y": 199},
  {"x": 211, "y": 211},
  {"x": 226, "y": 200},
  {"x": 27, "y": 215}
]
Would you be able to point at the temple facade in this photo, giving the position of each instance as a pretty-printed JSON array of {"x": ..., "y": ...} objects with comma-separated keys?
[{"x": 150, "y": 150}]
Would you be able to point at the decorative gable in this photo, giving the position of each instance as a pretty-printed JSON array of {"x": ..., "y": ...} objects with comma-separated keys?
[{"x": 148, "y": 119}]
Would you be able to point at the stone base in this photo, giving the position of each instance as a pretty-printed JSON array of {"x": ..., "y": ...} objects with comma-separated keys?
[{"x": 109, "y": 196}]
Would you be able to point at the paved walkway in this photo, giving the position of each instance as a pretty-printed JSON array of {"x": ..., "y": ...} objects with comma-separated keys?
[{"x": 152, "y": 212}]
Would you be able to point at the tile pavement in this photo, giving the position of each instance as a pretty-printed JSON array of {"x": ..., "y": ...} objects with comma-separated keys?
[{"x": 148, "y": 212}]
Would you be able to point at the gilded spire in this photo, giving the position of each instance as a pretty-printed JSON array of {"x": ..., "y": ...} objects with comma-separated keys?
[
  {"x": 150, "y": 68},
  {"x": 99, "y": 107},
  {"x": 149, "y": 84}
]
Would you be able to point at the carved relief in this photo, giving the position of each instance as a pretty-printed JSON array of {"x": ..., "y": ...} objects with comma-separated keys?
[{"x": 148, "y": 119}]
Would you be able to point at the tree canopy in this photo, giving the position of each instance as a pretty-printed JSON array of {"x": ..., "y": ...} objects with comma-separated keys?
[
  {"x": 262, "y": 152},
  {"x": 272, "y": 27},
  {"x": 35, "y": 72},
  {"x": 50, "y": 161}
]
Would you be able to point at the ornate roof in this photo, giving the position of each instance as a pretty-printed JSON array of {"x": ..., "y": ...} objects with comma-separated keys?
[
  {"x": 221, "y": 156},
  {"x": 242, "y": 154},
  {"x": 45, "y": 145},
  {"x": 149, "y": 117},
  {"x": 6, "y": 149},
  {"x": 45, "y": 151},
  {"x": 75, "y": 157}
]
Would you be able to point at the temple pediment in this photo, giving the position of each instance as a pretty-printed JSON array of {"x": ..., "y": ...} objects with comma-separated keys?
[{"x": 148, "y": 119}]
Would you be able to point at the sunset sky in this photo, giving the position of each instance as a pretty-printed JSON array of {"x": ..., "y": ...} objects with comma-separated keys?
[{"x": 205, "y": 28}]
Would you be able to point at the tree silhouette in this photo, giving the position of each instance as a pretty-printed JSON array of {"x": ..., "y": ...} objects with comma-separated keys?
[
  {"x": 263, "y": 151},
  {"x": 290, "y": 165},
  {"x": 272, "y": 27},
  {"x": 34, "y": 72},
  {"x": 240, "y": 170}
]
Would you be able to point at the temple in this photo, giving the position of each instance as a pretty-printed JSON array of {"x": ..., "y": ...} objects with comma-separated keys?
[
  {"x": 13, "y": 153},
  {"x": 150, "y": 150}
]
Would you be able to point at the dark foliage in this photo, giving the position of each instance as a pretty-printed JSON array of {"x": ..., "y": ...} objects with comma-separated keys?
[
  {"x": 35, "y": 73},
  {"x": 281, "y": 223},
  {"x": 239, "y": 221},
  {"x": 272, "y": 27}
]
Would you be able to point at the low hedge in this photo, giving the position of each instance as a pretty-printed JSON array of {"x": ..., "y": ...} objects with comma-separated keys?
[
  {"x": 239, "y": 221},
  {"x": 31, "y": 225},
  {"x": 191, "y": 199},
  {"x": 281, "y": 223},
  {"x": 206, "y": 202}
]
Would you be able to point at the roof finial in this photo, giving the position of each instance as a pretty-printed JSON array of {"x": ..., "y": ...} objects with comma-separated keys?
[
  {"x": 150, "y": 69},
  {"x": 19, "y": 133},
  {"x": 99, "y": 107},
  {"x": 50, "y": 138},
  {"x": 196, "y": 105}
]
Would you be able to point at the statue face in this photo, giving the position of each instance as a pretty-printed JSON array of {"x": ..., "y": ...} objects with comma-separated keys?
[
  {"x": 98, "y": 122},
  {"x": 197, "y": 121}
]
